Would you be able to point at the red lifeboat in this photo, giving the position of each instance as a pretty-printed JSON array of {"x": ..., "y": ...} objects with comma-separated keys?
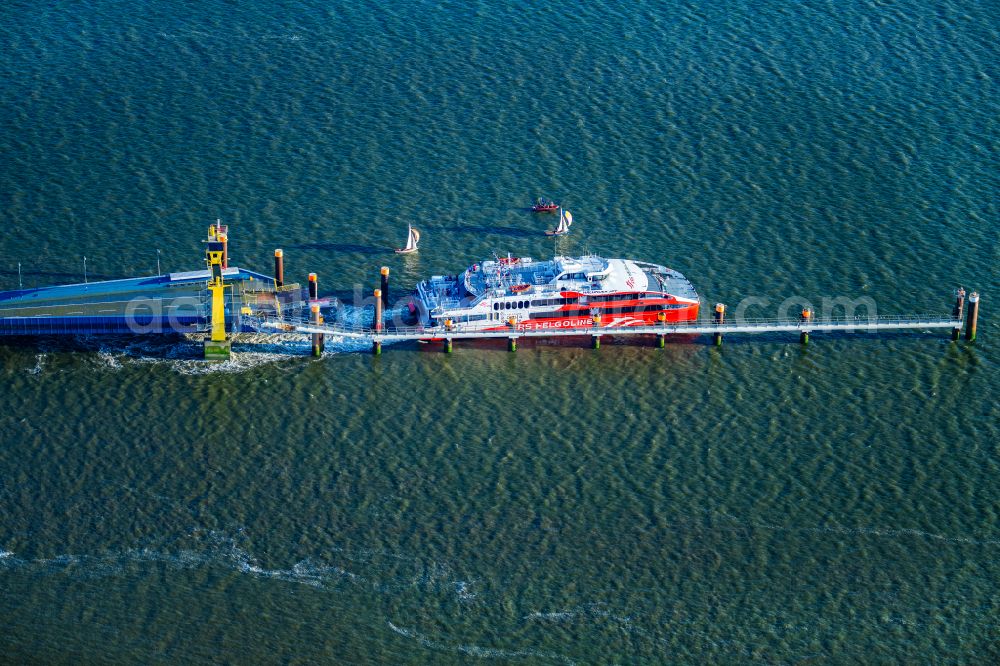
[{"x": 544, "y": 206}]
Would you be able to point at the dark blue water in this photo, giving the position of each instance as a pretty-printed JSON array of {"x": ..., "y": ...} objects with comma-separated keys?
[{"x": 759, "y": 502}]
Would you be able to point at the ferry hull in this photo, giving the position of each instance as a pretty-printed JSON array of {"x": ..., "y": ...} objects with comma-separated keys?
[
  {"x": 564, "y": 295},
  {"x": 609, "y": 320}
]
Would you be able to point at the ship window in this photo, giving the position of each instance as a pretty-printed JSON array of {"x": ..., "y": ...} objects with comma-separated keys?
[
  {"x": 496, "y": 306},
  {"x": 506, "y": 305}
]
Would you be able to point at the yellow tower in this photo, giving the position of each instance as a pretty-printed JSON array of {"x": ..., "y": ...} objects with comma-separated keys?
[{"x": 217, "y": 346}]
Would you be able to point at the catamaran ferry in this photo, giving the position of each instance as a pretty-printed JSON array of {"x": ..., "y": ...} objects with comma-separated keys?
[{"x": 566, "y": 292}]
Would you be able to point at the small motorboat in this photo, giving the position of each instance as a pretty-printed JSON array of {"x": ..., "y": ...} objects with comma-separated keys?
[
  {"x": 544, "y": 206},
  {"x": 412, "y": 239},
  {"x": 565, "y": 220}
]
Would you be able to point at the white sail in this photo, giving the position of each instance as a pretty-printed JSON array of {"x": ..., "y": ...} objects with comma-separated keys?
[
  {"x": 565, "y": 219},
  {"x": 412, "y": 238}
]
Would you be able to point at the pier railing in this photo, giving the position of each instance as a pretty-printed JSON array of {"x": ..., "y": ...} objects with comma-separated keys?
[{"x": 699, "y": 327}]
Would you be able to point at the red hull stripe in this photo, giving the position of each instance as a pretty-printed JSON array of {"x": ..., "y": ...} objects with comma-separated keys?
[{"x": 623, "y": 319}]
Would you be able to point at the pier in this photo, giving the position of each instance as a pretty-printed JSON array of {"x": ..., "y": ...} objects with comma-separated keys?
[
  {"x": 713, "y": 328},
  {"x": 220, "y": 300}
]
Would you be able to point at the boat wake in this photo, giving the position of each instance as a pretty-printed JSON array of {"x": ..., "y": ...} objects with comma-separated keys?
[
  {"x": 184, "y": 354},
  {"x": 221, "y": 549},
  {"x": 382, "y": 572}
]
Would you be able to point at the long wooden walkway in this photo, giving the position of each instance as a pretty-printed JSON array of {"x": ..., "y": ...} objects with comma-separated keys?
[{"x": 746, "y": 326}]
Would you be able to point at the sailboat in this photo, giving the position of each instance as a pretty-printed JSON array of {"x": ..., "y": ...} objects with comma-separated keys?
[
  {"x": 412, "y": 238},
  {"x": 565, "y": 219}
]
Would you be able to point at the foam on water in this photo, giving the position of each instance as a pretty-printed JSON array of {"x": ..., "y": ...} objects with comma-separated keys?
[
  {"x": 476, "y": 650},
  {"x": 183, "y": 355},
  {"x": 889, "y": 533},
  {"x": 39, "y": 364},
  {"x": 223, "y": 549}
]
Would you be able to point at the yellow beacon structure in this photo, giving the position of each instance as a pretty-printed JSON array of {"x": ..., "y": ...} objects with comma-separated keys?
[{"x": 217, "y": 345}]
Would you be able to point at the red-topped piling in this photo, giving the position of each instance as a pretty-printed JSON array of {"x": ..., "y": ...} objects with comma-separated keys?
[
  {"x": 971, "y": 318},
  {"x": 313, "y": 287},
  {"x": 279, "y": 268},
  {"x": 317, "y": 338},
  {"x": 957, "y": 313},
  {"x": 377, "y": 322},
  {"x": 720, "y": 316},
  {"x": 385, "y": 287}
]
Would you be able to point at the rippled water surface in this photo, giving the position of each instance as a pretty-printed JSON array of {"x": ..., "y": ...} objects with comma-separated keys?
[{"x": 763, "y": 501}]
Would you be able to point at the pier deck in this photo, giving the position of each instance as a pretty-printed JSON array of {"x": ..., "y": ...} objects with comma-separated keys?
[
  {"x": 748, "y": 326},
  {"x": 173, "y": 302}
]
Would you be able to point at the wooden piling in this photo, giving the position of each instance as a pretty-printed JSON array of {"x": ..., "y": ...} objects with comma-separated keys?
[
  {"x": 720, "y": 317},
  {"x": 971, "y": 317},
  {"x": 279, "y": 268},
  {"x": 317, "y": 338},
  {"x": 385, "y": 287},
  {"x": 447, "y": 345},
  {"x": 313, "y": 287},
  {"x": 957, "y": 313},
  {"x": 377, "y": 323},
  {"x": 377, "y": 347},
  {"x": 804, "y": 335},
  {"x": 512, "y": 344}
]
